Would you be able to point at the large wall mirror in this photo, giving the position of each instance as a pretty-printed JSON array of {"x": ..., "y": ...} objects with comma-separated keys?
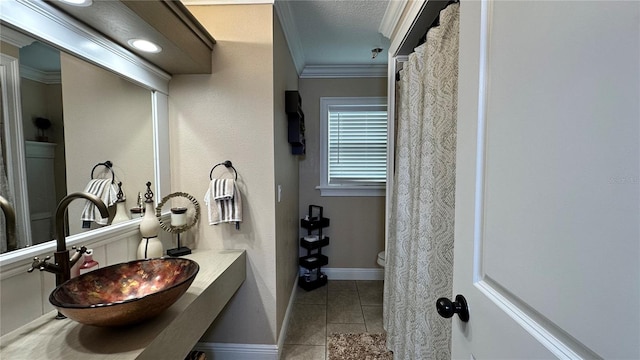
[{"x": 91, "y": 114}]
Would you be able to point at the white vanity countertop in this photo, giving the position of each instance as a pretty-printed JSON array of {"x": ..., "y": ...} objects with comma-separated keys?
[{"x": 171, "y": 335}]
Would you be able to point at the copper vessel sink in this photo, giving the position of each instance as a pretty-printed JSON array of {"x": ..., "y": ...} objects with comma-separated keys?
[{"x": 126, "y": 293}]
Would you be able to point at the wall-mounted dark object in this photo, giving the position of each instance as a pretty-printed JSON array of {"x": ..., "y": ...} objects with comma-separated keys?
[
  {"x": 293, "y": 108},
  {"x": 313, "y": 243}
]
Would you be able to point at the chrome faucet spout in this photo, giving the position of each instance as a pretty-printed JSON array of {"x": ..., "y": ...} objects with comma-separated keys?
[{"x": 10, "y": 223}]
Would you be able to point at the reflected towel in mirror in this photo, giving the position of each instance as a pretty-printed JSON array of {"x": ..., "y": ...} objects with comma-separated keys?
[{"x": 106, "y": 190}]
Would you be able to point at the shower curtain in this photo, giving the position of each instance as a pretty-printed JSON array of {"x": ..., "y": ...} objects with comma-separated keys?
[{"x": 419, "y": 252}]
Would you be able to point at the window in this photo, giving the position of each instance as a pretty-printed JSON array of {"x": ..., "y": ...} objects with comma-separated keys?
[{"x": 353, "y": 146}]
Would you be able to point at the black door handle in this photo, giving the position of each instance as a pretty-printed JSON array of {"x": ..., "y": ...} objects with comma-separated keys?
[{"x": 446, "y": 308}]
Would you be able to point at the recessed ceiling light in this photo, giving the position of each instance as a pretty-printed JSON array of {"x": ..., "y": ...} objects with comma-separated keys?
[
  {"x": 78, "y": 2},
  {"x": 145, "y": 45}
]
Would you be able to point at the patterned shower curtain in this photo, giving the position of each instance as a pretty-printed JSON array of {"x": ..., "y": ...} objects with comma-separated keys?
[{"x": 419, "y": 254}]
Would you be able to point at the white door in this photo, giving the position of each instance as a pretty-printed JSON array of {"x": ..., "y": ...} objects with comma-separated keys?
[{"x": 547, "y": 246}]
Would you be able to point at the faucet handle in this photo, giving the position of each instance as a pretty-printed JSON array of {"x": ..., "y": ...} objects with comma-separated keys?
[
  {"x": 38, "y": 264},
  {"x": 82, "y": 250}
]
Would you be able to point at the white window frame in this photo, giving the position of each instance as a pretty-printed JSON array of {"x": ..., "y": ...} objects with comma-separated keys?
[{"x": 325, "y": 188}]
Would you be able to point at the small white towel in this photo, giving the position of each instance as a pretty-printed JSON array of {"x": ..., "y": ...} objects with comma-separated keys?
[
  {"x": 222, "y": 207},
  {"x": 223, "y": 189},
  {"x": 106, "y": 190}
]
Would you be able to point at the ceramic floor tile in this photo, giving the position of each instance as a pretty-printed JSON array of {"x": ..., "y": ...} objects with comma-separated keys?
[
  {"x": 344, "y": 314},
  {"x": 341, "y": 285},
  {"x": 373, "y": 318},
  {"x": 343, "y": 297},
  {"x": 308, "y": 325},
  {"x": 303, "y": 352},
  {"x": 370, "y": 292},
  {"x": 316, "y": 296},
  {"x": 345, "y": 329}
]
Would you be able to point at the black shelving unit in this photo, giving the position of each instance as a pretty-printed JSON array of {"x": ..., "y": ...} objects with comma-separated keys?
[{"x": 313, "y": 243}]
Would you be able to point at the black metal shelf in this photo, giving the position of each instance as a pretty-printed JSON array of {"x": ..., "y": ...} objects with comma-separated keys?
[
  {"x": 314, "y": 244},
  {"x": 314, "y": 260}
]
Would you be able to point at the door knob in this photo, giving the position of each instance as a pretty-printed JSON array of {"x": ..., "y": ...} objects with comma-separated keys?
[{"x": 446, "y": 308}]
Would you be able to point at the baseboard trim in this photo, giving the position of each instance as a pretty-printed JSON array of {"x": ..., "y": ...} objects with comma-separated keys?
[
  {"x": 222, "y": 351},
  {"x": 287, "y": 316},
  {"x": 354, "y": 273}
]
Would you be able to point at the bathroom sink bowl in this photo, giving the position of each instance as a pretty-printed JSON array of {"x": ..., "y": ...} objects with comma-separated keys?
[{"x": 126, "y": 293}]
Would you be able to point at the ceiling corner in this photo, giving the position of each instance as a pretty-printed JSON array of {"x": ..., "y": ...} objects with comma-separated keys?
[
  {"x": 391, "y": 17},
  {"x": 285, "y": 14}
]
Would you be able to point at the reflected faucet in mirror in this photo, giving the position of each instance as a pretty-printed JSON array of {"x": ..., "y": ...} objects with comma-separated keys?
[
  {"x": 10, "y": 223},
  {"x": 63, "y": 263}
]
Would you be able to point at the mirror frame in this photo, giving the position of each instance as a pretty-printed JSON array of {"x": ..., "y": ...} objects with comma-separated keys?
[{"x": 45, "y": 22}]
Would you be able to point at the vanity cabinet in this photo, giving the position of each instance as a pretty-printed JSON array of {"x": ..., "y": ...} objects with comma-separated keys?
[{"x": 313, "y": 262}]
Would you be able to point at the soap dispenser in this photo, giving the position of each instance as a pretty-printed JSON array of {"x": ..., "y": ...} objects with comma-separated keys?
[
  {"x": 88, "y": 264},
  {"x": 150, "y": 246}
]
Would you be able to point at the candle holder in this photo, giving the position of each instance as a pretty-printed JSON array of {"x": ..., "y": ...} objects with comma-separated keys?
[{"x": 181, "y": 220}]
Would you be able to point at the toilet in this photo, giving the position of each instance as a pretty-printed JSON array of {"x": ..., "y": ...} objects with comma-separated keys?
[{"x": 381, "y": 258}]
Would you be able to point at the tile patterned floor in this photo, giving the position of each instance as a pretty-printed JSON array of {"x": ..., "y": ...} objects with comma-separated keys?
[{"x": 338, "y": 307}]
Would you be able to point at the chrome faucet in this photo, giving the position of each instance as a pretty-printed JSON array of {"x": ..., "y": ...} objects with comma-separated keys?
[
  {"x": 10, "y": 223},
  {"x": 64, "y": 263}
]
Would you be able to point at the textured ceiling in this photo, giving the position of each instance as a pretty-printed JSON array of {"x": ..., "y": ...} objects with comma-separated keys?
[{"x": 339, "y": 32}]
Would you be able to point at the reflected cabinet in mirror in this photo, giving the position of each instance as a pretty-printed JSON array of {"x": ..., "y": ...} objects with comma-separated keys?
[{"x": 61, "y": 116}]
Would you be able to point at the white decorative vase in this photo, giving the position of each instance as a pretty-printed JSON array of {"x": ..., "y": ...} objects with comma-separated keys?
[
  {"x": 150, "y": 246},
  {"x": 122, "y": 214}
]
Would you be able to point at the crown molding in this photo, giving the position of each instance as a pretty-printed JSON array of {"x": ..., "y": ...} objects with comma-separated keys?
[
  {"x": 54, "y": 26},
  {"x": 225, "y": 2},
  {"x": 391, "y": 17},
  {"x": 15, "y": 38},
  {"x": 343, "y": 71},
  {"x": 285, "y": 14},
  {"x": 45, "y": 77}
]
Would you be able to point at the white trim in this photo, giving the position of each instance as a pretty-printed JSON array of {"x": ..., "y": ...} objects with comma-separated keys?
[
  {"x": 48, "y": 23},
  {"x": 343, "y": 71},
  {"x": 161, "y": 144},
  {"x": 224, "y": 351},
  {"x": 351, "y": 190},
  {"x": 404, "y": 27},
  {"x": 15, "y": 38},
  {"x": 225, "y": 2},
  {"x": 14, "y": 146},
  {"x": 45, "y": 77},
  {"x": 17, "y": 262},
  {"x": 391, "y": 17},
  {"x": 354, "y": 273},
  {"x": 287, "y": 315},
  {"x": 290, "y": 29}
]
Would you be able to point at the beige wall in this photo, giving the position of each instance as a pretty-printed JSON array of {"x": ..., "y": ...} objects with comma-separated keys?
[
  {"x": 233, "y": 114},
  {"x": 286, "y": 174},
  {"x": 106, "y": 118},
  {"x": 357, "y": 223},
  {"x": 45, "y": 100}
]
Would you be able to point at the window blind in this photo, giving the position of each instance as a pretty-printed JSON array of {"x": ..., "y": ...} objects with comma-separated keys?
[{"x": 357, "y": 148}]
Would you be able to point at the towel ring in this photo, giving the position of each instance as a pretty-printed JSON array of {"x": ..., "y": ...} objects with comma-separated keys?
[
  {"x": 227, "y": 164},
  {"x": 108, "y": 164}
]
